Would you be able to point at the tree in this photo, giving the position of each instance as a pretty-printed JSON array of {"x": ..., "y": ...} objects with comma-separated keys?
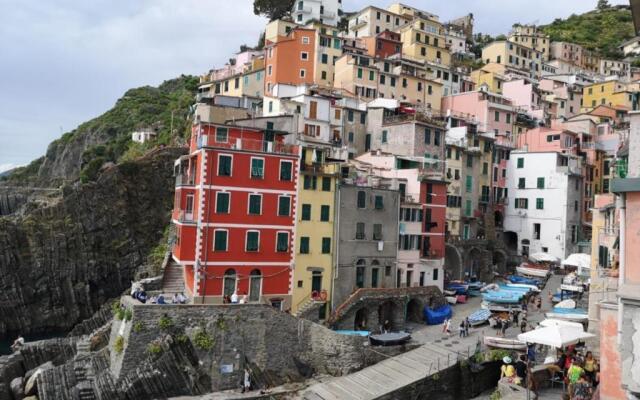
[
  {"x": 273, "y": 9},
  {"x": 603, "y": 5}
]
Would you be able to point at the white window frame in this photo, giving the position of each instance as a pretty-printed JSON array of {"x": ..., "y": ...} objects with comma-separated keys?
[
  {"x": 302, "y": 54},
  {"x": 218, "y": 165},
  {"x": 290, "y": 206},
  {"x": 251, "y": 167},
  {"x": 246, "y": 240},
  {"x": 288, "y": 241},
  {"x": 216, "y": 134},
  {"x": 306, "y": 40},
  {"x": 280, "y": 170},
  {"x": 226, "y": 241},
  {"x": 249, "y": 202},
  {"x": 228, "y": 204}
]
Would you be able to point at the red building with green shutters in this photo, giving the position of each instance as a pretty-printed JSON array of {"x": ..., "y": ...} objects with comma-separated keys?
[{"x": 234, "y": 214}]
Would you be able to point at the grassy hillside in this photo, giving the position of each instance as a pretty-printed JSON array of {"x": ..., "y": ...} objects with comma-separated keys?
[{"x": 600, "y": 30}]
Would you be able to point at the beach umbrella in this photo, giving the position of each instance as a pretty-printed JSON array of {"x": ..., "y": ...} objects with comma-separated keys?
[{"x": 558, "y": 336}]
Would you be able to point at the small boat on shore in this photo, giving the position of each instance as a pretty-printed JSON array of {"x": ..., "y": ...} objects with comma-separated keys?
[
  {"x": 494, "y": 307},
  {"x": 533, "y": 288},
  {"x": 504, "y": 343},
  {"x": 566, "y": 304},
  {"x": 522, "y": 279},
  {"x": 568, "y": 314},
  {"x": 451, "y": 299},
  {"x": 389, "y": 339},
  {"x": 458, "y": 287},
  {"x": 532, "y": 269},
  {"x": 572, "y": 288},
  {"x": 479, "y": 317}
]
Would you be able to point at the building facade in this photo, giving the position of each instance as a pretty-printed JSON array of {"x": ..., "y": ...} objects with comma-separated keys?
[{"x": 325, "y": 11}]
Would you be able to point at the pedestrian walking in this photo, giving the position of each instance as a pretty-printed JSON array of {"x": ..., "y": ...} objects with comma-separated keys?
[
  {"x": 467, "y": 325},
  {"x": 515, "y": 318},
  {"x": 461, "y": 329},
  {"x": 447, "y": 327},
  {"x": 504, "y": 327}
]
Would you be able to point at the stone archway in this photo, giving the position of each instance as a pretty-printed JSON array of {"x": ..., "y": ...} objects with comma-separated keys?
[
  {"x": 452, "y": 263},
  {"x": 360, "y": 320},
  {"x": 511, "y": 241},
  {"x": 474, "y": 266},
  {"x": 391, "y": 312},
  {"x": 498, "y": 219},
  {"x": 500, "y": 261},
  {"x": 415, "y": 309}
]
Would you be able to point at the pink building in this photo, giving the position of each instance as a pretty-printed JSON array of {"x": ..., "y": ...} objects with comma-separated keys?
[
  {"x": 494, "y": 113},
  {"x": 525, "y": 96},
  {"x": 548, "y": 139}
]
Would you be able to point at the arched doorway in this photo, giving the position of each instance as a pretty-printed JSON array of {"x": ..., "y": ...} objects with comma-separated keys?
[
  {"x": 229, "y": 285},
  {"x": 255, "y": 285},
  {"x": 511, "y": 241},
  {"x": 415, "y": 310},
  {"x": 452, "y": 263},
  {"x": 500, "y": 261},
  {"x": 498, "y": 219},
  {"x": 360, "y": 273},
  {"x": 360, "y": 321},
  {"x": 389, "y": 314},
  {"x": 473, "y": 266},
  {"x": 375, "y": 274}
]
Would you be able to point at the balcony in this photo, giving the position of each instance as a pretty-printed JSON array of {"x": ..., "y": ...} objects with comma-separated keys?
[
  {"x": 186, "y": 216},
  {"x": 484, "y": 199},
  {"x": 185, "y": 180},
  {"x": 262, "y": 146}
]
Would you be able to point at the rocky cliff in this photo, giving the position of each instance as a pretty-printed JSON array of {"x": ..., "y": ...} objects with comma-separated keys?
[{"x": 62, "y": 259}]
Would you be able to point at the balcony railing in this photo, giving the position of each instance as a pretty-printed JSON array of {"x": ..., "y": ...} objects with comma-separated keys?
[
  {"x": 185, "y": 180},
  {"x": 184, "y": 216},
  {"x": 262, "y": 146},
  {"x": 484, "y": 199}
]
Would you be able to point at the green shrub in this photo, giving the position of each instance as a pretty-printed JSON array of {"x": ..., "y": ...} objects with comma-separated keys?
[
  {"x": 128, "y": 315},
  {"x": 182, "y": 339},
  {"x": 154, "y": 348},
  {"x": 495, "y": 395},
  {"x": 203, "y": 340},
  {"x": 138, "y": 327},
  {"x": 91, "y": 170},
  {"x": 118, "y": 346},
  {"x": 220, "y": 323},
  {"x": 165, "y": 323},
  {"x": 435, "y": 377},
  {"x": 120, "y": 314},
  {"x": 115, "y": 307}
]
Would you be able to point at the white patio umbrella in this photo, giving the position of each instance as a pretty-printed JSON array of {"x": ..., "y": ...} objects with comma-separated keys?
[
  {"x": 579, "y": 260},
  {"x": 558, "y": 322},
  {"x": 540, "y": 257},
  {"x": 557, "y": 336}
]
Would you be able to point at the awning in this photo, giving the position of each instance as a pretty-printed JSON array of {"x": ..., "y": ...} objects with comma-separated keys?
[
  {"x": 558, "y": 336},
  {"x": 558, "y": 322}
]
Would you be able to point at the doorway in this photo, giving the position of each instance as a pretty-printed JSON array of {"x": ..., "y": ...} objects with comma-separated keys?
[{"x": 255, "y": 285}]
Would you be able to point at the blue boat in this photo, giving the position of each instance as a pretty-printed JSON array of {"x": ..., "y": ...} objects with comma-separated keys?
[
  {"x": 438, "y": 315},
  {"x": 504, "y": 287},
  {"x": 502, "y": 296},
  {"x": 458, "y": 288},
  {"x": 479, "y": 317},
  {"x": 522, "y": 279},
  {"x": 560, "y": 310},
  {"x": 352, "y": 333}
]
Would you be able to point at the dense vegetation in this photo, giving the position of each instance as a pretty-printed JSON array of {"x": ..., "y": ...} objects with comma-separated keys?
[{"x": 601, "y": 30}]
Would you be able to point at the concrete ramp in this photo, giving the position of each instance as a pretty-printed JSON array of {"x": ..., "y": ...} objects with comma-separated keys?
[{"x": 386, "y": 376}]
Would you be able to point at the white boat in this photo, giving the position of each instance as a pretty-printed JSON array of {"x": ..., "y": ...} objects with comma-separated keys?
[
  {"x": 451, "y": 299},
  {"x": 577, "y": 317},
  {"x": 494, "y": 307},
  {"x": 449, "y": 292},
  {"x": 566, "y": 304},
  {"x": 537, "y": 272},
  {"x": 491, "y": 286},
  {"x": 572, "y": 288},
  {"x": 524, "y": 286},
  {"x": 504, "y": 343}
]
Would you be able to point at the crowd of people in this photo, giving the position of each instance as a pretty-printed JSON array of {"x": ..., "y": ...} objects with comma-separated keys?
[
  {"x": 580, "y": 372},
  {"x": 235, "y": 298},
  {"x": 140, "y": 294}
]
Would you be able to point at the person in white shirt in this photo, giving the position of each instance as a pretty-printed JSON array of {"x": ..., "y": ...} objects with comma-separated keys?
[{"x": 234, "y": 298}]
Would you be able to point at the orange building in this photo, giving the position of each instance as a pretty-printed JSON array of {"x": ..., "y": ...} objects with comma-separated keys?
[
  {"x": 290, "y": 59},
  {"x": 384, "y": 44}
]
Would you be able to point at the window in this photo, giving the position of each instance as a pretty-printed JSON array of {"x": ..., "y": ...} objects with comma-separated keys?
[
  {"x": 220, "y": 240},
  {"x": 325, "y": 59},
  {"x": 324, "y": 213},
  {"x": 377, "y": 231},
  {"x": 350, "y": 115},
  {"x": 310, "y": 182},
  {"x": 257, "y": 168},
  {"x": 540, "y": 183},
  {"x": 427, "y": 135},
  {"x": 306, "y": 212},
  {"x": 521, "y": 183},
  {"x": 362, "y": 199},
  {"x": 222, "y": 135},
  {"x": 305, "y": 40},
  {"x": 282, "y": 242},
  {"x": 372, "y": 76},
  {"x": 436, "y": 138},
  {"x": 359, "y": 73},
  {"x": 536, "y": 231},
  {"x": 304, "y": 55},
  {"x": 252, "y": 241},
  {"x": 469, "y": 161},
  {"x": 304, "y": 245},
  {"x": 255, "y": 204},
  {"x": 350, "y": 137},
  {"x": 469, "y": 183},
  {"x": 363, "y": 118},
  {"x": 284, "y": 206},
  {"x": 303, "y": 73},
  {"x": 326, "y": 245},
  {"x": 485, "y": 168},
  {"x": 360, "y": 231},
  {"x": 522, "y": 203},
  {"x": 222, "y": 202},
  {"x": 520, "y": 162},
  {"x": 224, "y": 165},
  {"x": 286, "y": 168},
  {"x": 384, "y": 136},
  {"x": 497, "y": 116},
  {"x": 379, "y": 203},
  {"x": 326, "y": 184},
  {"x": 539, "y": 204}
]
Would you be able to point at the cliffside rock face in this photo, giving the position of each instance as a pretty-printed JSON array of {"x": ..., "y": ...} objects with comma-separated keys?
[{"x": 61, "y": 262}]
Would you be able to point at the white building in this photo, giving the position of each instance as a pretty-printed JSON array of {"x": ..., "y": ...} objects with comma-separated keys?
[
  {"x": 545, "y": 201},
  {"x": 143, "y": 136},
  {"x": 631, "y": 46},
  {"x": 615, "y": 67},
  {"x": 325, "y": 11}
]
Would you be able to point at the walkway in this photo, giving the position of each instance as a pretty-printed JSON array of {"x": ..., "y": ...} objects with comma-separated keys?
[{"x": 386, "y": 376}]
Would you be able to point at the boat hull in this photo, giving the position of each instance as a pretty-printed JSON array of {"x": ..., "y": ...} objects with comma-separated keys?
[
  {"x": 540, "y": 273},
  {"x": 503, "y": 343}
]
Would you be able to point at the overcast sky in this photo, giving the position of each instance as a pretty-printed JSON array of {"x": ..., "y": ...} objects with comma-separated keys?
[{"x": 63, "y": 62}]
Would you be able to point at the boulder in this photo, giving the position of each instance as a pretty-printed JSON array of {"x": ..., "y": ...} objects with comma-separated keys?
[
  {"x": 17, "y": 388},
  {"x": 47, "y": 365},
  {"x": 31, "y": 398},
  {"x": 30, "y": 388}
]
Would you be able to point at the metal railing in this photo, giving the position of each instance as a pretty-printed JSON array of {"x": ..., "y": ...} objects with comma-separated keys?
[
  {"x": 262, "y": 146},
  {"x": 185, "y": 180}
]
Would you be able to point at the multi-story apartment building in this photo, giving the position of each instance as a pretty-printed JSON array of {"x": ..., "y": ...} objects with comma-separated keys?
[
  {"x": 384, "y": 44},
  {"x": 326, "y": 12},
  {"x": 532, "y": 37},
  {"x": 243, "y": 78},
  {"x": 615, "y": 67},
  {"x": 371, "y": 21},
  {"x": 568, "y": 52},
  {"x": 367, "y": 239},
  {"x": 527, "y": 97},
  {"x": 234, "y": 213},
  {"x": 491, "y": 75},
  {"x": 424, "y": 39},
  {"x": 514, "y": 55},
  {"x": 612, "y": 92},
  {"x": 566, "y": 97},
  {"x": 455, "y": 175},
  {"x": 291, "y": 59},
  {"x": 545, "y": 197},
  {"x": 456, "y": 40}
]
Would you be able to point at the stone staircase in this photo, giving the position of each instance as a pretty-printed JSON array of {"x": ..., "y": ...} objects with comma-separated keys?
[{"x": 173, "y": 279}]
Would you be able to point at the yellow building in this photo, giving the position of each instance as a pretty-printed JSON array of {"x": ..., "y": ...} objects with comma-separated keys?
[
  {"x": 315, "y": 242},
  {"x": 423, "y": 39},
  {"x": 485, "y": 144},
  {"x": 531, "y": 37},
  {"x": 250, "y": 82},
  {"x": 455, "y": 170},
  {"x": 358, "y": 75},
  {"x": 278, "y": 29},
  {"x": 491, "y": 75},
  {"x": 612, "y": 93},
  {"x": 328, "y": 50},
  {"x": 513, "y": 55}
]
